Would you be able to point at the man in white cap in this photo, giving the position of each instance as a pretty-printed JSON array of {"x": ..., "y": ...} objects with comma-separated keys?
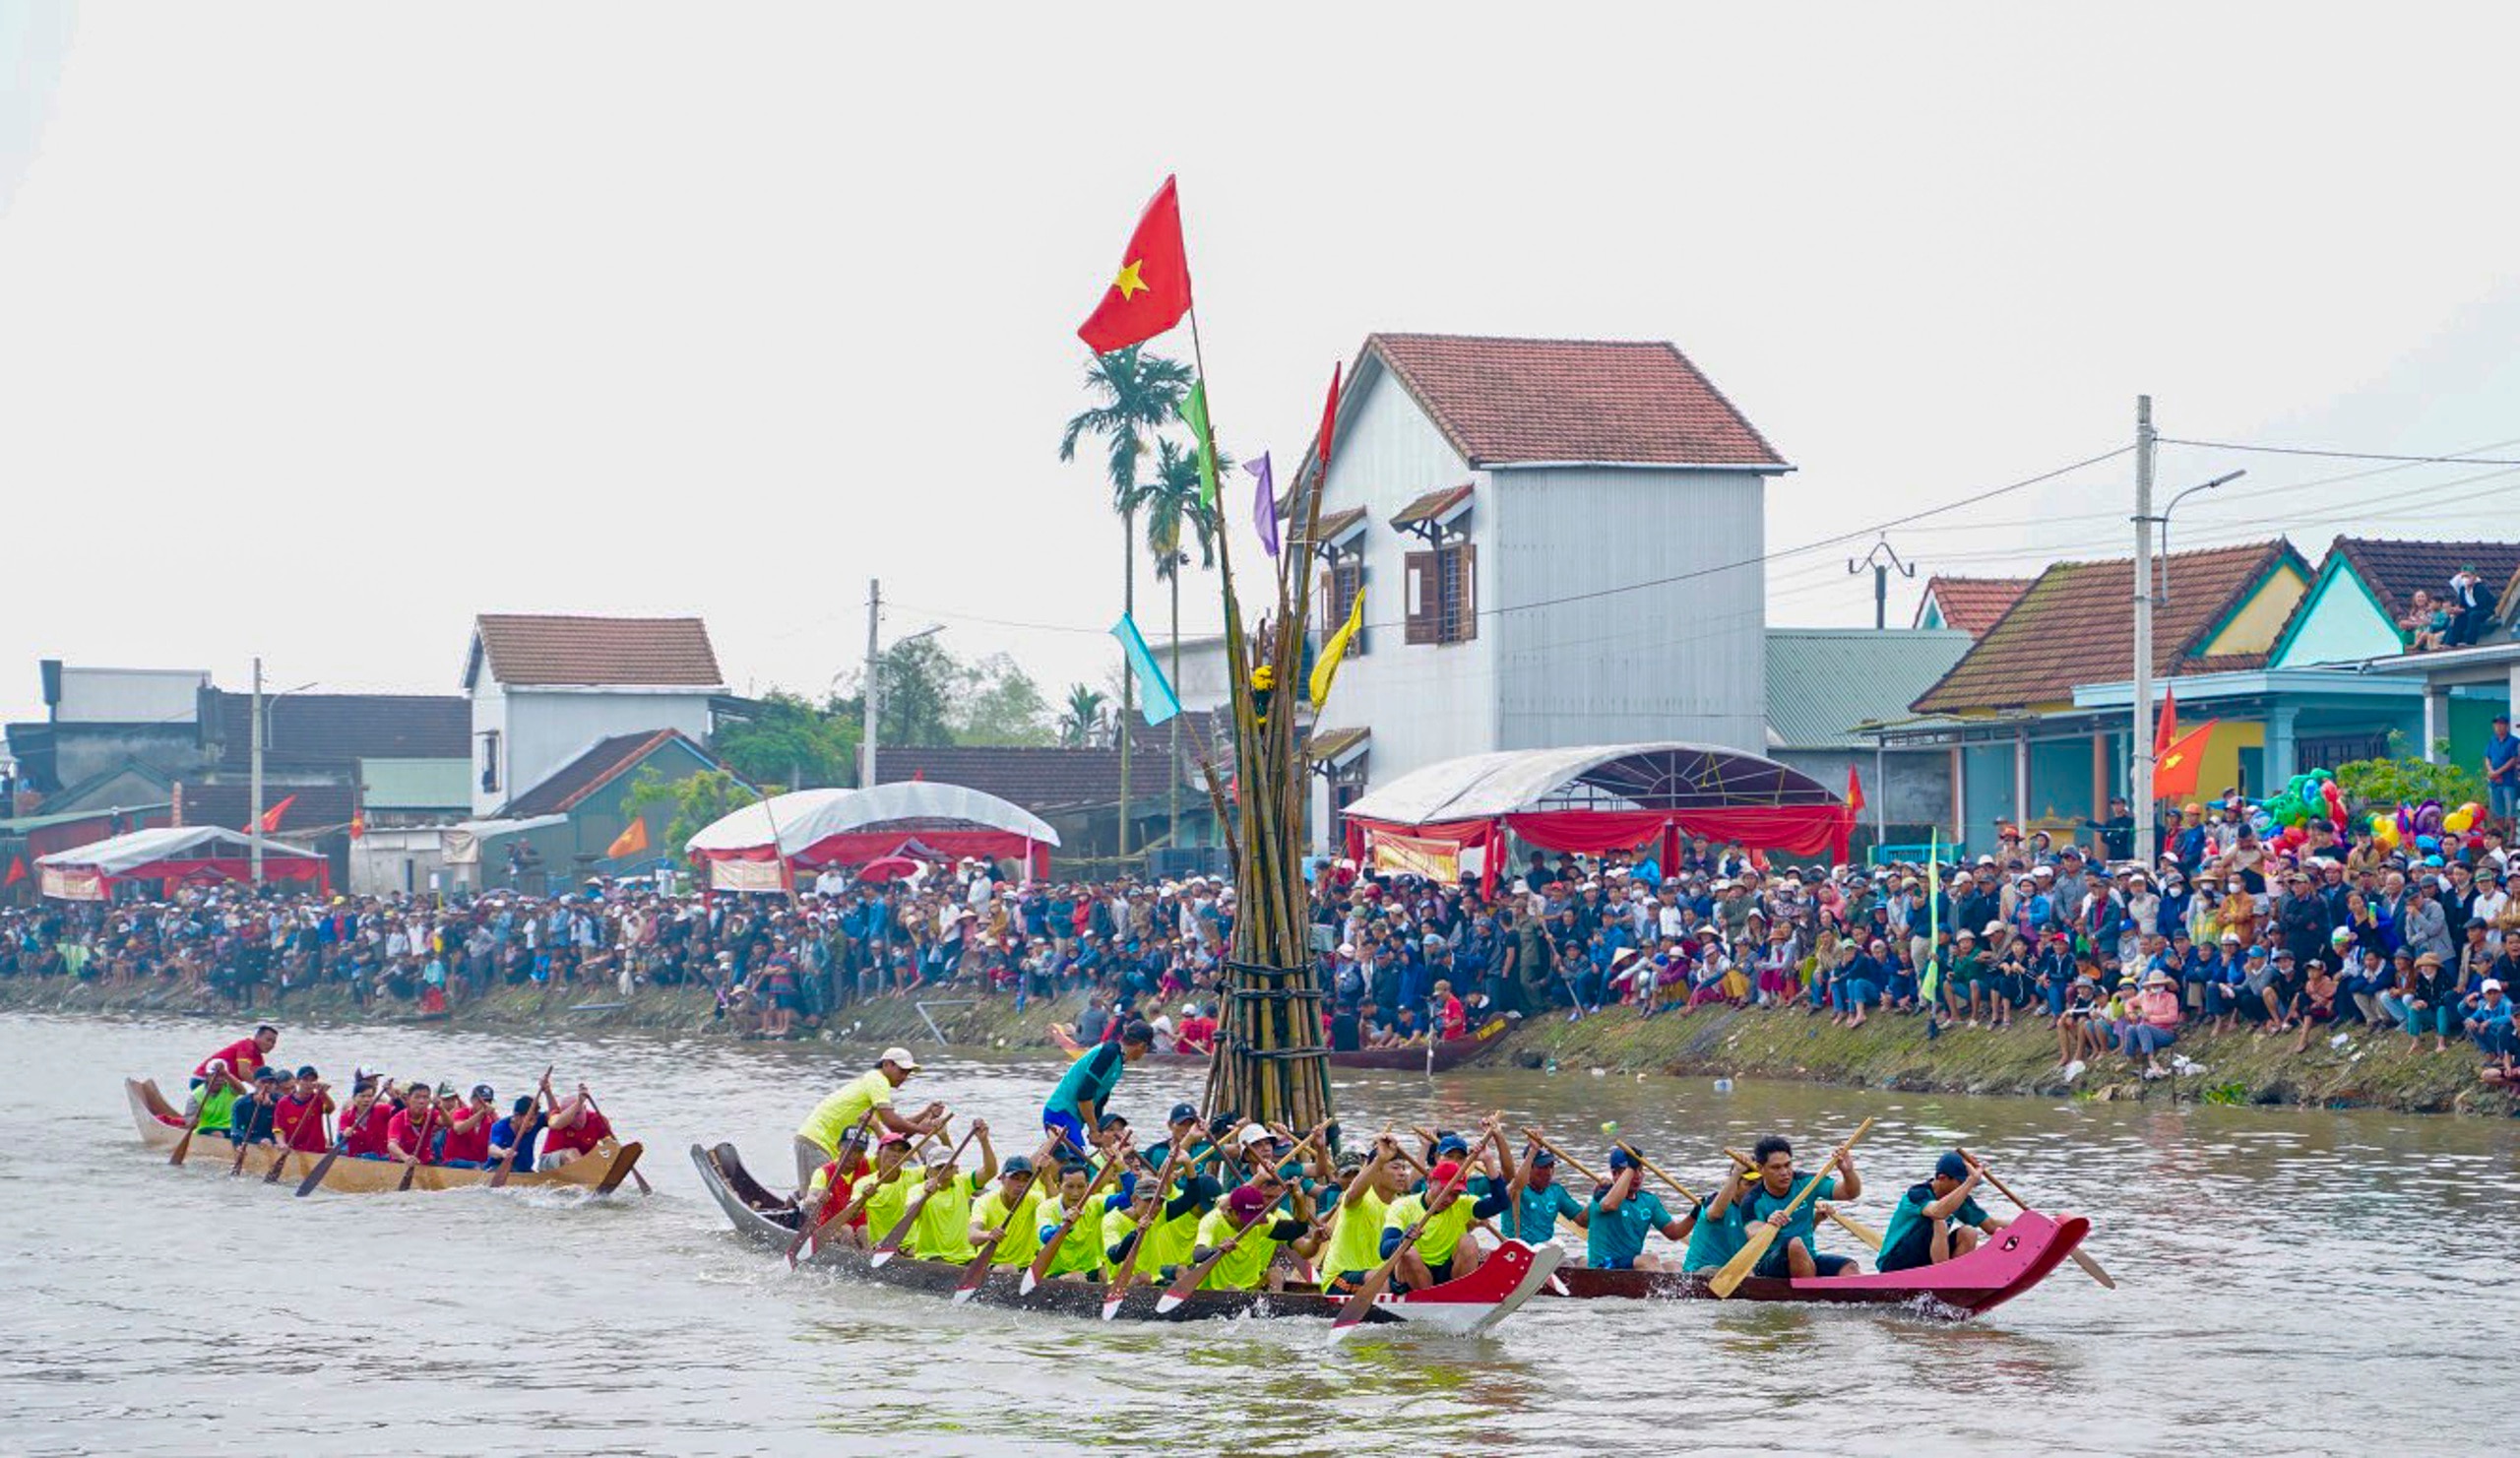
[{"x": 836, "y": 1119}]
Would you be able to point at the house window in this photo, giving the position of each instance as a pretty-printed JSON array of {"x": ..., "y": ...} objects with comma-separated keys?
[
  {"x": 1340, "y": 585},
  {"x": 490, "y": 762},
  {"x": 1443, "y": 594}
]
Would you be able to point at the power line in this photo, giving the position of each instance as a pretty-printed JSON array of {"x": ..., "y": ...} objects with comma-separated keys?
[{"x": 2226, "y": 445}]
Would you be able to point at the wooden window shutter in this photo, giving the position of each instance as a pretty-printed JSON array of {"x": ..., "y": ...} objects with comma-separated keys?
[
  {"x": 1424, "y": 600},
  {"x": 1461, "y": 596},
  {"x": 1347, "y": 576},
  {"x": 1330, "y": 607}
]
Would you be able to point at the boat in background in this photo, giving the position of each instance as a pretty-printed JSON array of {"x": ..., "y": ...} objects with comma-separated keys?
[{"x": 161, "y": 1126}]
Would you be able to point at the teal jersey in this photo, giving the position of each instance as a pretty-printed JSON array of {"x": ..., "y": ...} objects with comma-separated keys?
[
  {"x": 1093, "y": 1076},
  {"x": 1715, "y": 1239},
  {"x": 1907, "y": 1226},
  {"x": 1616, "y": 1238},
  {"x": 1806, "y": 1218},
  {"x": 1535, "y": 1217}
]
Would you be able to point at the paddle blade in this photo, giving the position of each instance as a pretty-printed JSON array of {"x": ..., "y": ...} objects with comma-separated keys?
[
  {"x": 183, "y": 1147},
  {"x": 876, "y": 1260},
  {"x": 1111, "y": 1304},
  {"x": 315, "y": 1176},
  {"x": 280, "y": 1162},
  {"x": 2092, "y": 1269},
  {"x": 1361, "y": 1304},
  {"x": 1738, "y": 1268},
  {"x": 1030, "y": 1281},
  {"x": 1164, "y": 1304}
]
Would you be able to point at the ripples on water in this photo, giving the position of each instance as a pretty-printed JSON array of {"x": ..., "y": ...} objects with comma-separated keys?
[{"x": 2286, "y": 1279}]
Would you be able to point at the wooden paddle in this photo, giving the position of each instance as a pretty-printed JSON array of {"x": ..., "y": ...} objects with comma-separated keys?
[
  {"x": 412, "y": 1169},
  {"x": 2089, "y": 1266},
  {"x": 242, "y": 1145},
  {"x": 1563, "y": 1157},
  {"x": 645, "y": 1188},
  {"x": 810, "y": 1221},
  {"x": 1123, "y": 1279},
  {"x": 324, "y": 1166},
  {"x": 891, "y": 1242},
  {"x": 1191, "y": 1275},
  {"x": 1040, "y": 1270},
  {"x": 1870, "y": 1237},
  {"x": 1361, "y": 1303},
  {"x": 184, "y": 1146},
  {"x": 1762, "y": 1233},
  {"x": 517, "y": 1134},
  {"x": 865, "y": 1191}
]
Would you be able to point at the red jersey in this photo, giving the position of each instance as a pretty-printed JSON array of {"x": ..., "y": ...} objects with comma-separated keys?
[
  {"x": 590, "y": 1129},
  {"x": 844, "y": 1188},
  {"x": 367, "y": 1136},
  {"x": 405, "y": 1133},
  {"x": 297, "y": 1130},
  {"x": 1455, "y": 1019},
  {"x": 466, "y": 1144},
  {"x": 1196, "y": 1036},
  {"x": 242, "y": 1057}
]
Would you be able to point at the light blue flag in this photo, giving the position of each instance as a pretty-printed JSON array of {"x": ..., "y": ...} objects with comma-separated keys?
[{"x": 1156, "y": 698}]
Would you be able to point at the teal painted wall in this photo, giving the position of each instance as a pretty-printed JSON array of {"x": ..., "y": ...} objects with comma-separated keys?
[
  {"x": 1987, "y": 772},
  {"x": 2340, "y": 624}
]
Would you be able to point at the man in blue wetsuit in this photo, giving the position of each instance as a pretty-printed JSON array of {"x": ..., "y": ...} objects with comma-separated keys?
[{"x": 1075, "y": 1107}]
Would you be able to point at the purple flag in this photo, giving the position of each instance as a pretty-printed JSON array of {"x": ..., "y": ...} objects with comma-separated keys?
[{"x": 1264, "y": 506}]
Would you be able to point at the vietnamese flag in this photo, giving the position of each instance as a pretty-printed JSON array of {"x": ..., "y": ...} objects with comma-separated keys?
[
  {"x": 358, "y": 824},
  {"x": 2167, "y": 730},
  {"x": 1151, "y": 290},
  {"x": 2175, "y": 773},
  {"x": 1855, "y": 791},
  {"x": 632, "y": 840},
  {"x": 17, "y": 871},
  {"x": 270, "y": 822}
]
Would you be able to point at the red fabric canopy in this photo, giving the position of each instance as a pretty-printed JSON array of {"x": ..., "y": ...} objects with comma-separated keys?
[{"x": 1797, "y": 830}]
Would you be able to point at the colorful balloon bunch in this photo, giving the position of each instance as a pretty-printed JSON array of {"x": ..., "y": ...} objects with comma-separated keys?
[
  {"x": 2428, "y": 829},
  {"x": 2284, "y": 818}
]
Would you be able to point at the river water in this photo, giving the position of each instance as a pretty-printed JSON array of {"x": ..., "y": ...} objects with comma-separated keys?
[{"x": 2289, "y": 1282}]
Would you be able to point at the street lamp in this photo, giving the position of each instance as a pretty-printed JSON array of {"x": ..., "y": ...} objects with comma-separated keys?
[
  {"x": 2148, "y": 595},
  {"x": 258, "y": 734},
  {"x": 2161, "y": 588}
]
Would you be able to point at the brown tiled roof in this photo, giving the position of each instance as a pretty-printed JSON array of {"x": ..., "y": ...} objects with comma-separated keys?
[
  {"x": 2074, "y": 625},
  {"x": 230, "y": 805},
  {"x": 1333, "y": 523},
  {"x": 1971, "y": 605},
  {"x": 563, "y": 789},
  {"x": 1201, "y": 729},
  {"x": 1430, "y": 506},
  {"x": 2393, "y": 570},
  {"x": 1624, "y": 401},
  {"x": 333, "y": 730},
  {"x": 1328, "y": 743},
  {"x": 526, "y": 648},
  {"x": 1043, "y": 781}
]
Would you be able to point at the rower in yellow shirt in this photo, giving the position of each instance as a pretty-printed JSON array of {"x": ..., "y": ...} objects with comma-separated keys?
[
  {"x": 1007, "y": 1215},
  {"x": 1355, "y": 1246},
  {"x": 1249, "y": 1221},
  {"x": 943, "y": 1229}
]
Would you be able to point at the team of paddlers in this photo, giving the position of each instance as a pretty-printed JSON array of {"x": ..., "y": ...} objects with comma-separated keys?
[
  {"x": 1246, "y": 1205},
  {"x": 239, "y": 1094}
]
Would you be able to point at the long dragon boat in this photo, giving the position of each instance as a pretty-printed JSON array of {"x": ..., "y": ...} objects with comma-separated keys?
[
  {"x": 2011, "y": 1261},
  {"x": 161, "y": 1126},
  {"x": 1474, "y": 1303}
]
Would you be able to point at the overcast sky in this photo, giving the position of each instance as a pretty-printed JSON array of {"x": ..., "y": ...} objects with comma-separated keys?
[{"x": 324, "y": 326}]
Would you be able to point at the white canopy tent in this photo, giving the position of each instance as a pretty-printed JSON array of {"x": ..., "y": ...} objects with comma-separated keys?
[
  {"x": 809, "y": 829},
  {"x": 174, "y": 852}
]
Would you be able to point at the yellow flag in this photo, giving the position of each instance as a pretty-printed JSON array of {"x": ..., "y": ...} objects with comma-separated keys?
[{"x": 1336, "y": 649}]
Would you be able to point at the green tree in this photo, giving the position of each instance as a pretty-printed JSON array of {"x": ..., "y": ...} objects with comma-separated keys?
[
  {"x": 1081, "y": 721},
  {"x": 696, "y": 801},
  {"x": 2403, "y": 779},
  {"x": 792, "y": 741},
  {"x": 1171, "y": 498},
  {"x": 918, "y": 683},
  {"x": 1139, "y": 394},
  {"x": 1000, "y": 704}
]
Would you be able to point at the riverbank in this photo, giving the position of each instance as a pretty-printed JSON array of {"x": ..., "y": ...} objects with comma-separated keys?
[{"x": 2364, "y": 1071}]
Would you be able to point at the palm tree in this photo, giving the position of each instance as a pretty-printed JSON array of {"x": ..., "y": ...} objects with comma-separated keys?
[
  {"x": 1082, "y": 719},
  {"x": 1170, "y": 499},
  {"x": 1139, "y": 394}
]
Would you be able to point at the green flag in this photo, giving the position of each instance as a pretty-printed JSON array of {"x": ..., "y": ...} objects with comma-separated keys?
[
  {"x": 1194, "y": 411},
  {"x": 1929, "y": 977}
]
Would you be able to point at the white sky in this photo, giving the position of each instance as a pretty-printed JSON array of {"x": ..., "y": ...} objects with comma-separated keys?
[{"x": 324, "y": 326}]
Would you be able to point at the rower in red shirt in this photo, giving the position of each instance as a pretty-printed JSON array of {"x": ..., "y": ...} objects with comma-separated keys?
[
  {"x": 467, "y": 1131},
  {"x": 364, "y": 1123},
  {"x": 410, "y": 1134},
  {"x": 1197, "y": 1033},
  {"x": 306, "y": 1093},
  {"x": 573, "y": 1129},
  {"x": 1451, "y": 1018},
  {"x": 242, "y": 1056}
]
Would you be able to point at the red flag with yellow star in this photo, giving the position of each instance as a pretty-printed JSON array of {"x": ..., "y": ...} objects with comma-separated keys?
[
  {"x": 1151, "y": 290},
  {"x": 2175, "y": 773}
]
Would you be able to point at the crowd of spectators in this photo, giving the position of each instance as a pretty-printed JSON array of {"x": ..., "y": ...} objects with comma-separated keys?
[{"x": 2339, "y": 937}]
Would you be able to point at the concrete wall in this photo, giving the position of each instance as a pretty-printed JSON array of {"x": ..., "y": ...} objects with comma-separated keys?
[
  {"x": 546, "y": 729},
  {"x": 2341, "y": 624},
  {"x": 129, "y": 695},
  {"x": 1909, "y": 788},
  {"x": 490, "y": 716},
  {"x": 1684, "y": 658}
]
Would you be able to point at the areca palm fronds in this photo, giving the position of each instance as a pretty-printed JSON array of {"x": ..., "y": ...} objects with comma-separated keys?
[{"x": 1140, "y": 394}]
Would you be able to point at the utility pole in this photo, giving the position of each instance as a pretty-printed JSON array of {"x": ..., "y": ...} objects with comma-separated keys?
[
  {"x": 866, "y": 690},
  {"x": 1881, "y": 578},
  {"x": 254, "y": 791},
  {"x": 2141, "y": 788}
]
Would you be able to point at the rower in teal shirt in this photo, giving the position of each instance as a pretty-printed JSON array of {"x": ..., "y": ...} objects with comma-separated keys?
[
  {"x": 1795, "y": 1251},
  {"x": 1622, "y": 1214},
  {"x": 1076, "y": 1106},
  {"x": 1720, "y": 1231},
  {"x": 1541, "y": 1203},
  {"x": 1937, "y": 1220}
]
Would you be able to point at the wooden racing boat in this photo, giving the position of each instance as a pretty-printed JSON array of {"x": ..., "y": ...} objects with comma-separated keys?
[
  {"x": 1472, "y": 1304},
  {"x": 162, "y": 1125},
  {"x": 1450, "y": 1051},
  {"x": 2008, "y": 1264}
]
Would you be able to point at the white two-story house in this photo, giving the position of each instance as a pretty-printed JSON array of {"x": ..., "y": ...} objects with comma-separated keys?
[
  {"x": 545, "y": 689},
  {"x": 1559, "y": 543}
]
